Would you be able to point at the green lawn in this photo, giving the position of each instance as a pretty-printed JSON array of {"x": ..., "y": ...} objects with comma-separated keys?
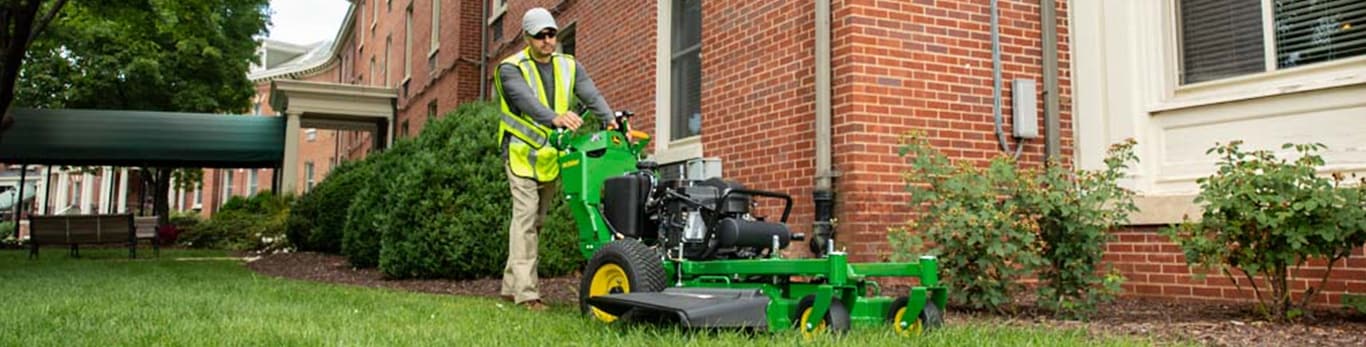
[{"x": 105, "y": 299}]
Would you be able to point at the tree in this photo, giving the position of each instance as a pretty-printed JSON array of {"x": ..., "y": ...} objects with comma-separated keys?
[
  {"x": 154, "y": 55},
  {"x": 20, "y": 24}
]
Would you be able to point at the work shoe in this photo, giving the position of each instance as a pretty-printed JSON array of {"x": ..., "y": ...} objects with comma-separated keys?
[
  {"x": 507, "y": 298},
  {"x": 534, "y": 305}
]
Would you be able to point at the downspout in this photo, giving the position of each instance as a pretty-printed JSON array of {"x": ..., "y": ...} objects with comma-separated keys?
[
  {"x": 483, "y": 51},
  {"x": 996, "y": 83},
  {"x": 823, "y": 195},
  {"x": 1052, "y": 138}
]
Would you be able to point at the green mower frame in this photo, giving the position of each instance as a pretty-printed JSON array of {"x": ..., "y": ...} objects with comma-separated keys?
[{"x": 799, "y": 290}]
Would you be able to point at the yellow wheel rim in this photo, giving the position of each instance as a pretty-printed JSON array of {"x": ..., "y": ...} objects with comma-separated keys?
[
  {"x": 906, "y": 329},
  {"x": 806, "y": 320},
  {"x": 609, "y": 277}
]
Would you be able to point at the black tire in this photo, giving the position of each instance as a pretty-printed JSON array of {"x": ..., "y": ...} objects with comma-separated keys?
[
  {"x": 639, "y": 264},
  {"x": 836, "y": 318},
  {"x": 931, "y": 318}
]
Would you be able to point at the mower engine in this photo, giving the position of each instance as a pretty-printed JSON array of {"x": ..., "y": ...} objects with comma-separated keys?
[{"x": 693, "y": 219}]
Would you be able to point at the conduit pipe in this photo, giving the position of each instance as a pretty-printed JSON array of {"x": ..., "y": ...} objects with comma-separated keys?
[{"x": 824, "y": 194}]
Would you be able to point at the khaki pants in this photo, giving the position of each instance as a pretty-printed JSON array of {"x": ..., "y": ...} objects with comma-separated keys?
[{"x": 530, "y": 202}]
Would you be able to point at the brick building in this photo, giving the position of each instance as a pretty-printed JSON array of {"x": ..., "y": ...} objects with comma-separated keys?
[{"x": 736, "y": 83}]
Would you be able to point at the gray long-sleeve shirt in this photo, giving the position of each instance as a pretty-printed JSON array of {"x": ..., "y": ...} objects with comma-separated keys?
[{"x": 523, "y": 100}]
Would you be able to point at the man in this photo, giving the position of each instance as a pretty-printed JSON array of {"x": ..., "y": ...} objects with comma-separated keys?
[{"x": 536, "y": 89}]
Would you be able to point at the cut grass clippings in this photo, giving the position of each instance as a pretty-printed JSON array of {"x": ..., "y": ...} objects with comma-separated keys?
[{"x": 105, "y": 299}]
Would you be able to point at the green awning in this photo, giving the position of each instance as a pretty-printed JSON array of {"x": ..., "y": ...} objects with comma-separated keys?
[{"x": 142, "y": 138}]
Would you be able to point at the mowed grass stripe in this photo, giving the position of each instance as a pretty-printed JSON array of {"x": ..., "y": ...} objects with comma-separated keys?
[{"x": 104, "y": 299}]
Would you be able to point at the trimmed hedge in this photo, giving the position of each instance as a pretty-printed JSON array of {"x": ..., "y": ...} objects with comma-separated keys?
[
  {"x": 456, "y": 206},
  {"x": 365, "y": 215},
  {"x": 318, "y": 219},
  {"x": 436, "y": 205}
]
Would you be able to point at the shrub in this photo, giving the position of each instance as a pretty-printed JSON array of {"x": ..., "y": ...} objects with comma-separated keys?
[
  {"x": 1075, "y": 210},
  {"x": 992, "y": 227},
  {"x": 318, "y": 219},
  {"x": 1266, "y": 216},
  {"x": 246, "y": 224},
  {"x": 365, "y": 215},
  {"x": 456, "y": 201},
  {"x": 983, "y": 249}
]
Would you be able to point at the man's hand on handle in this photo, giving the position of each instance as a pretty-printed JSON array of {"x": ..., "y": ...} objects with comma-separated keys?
[{"x": 568, "y": 120}]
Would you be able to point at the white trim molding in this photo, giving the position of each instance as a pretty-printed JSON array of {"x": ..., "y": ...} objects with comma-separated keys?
[{"x": 1126, "y": 85}]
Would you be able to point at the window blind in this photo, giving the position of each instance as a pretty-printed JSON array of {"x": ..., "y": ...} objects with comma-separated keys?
[
  {"x": 1220, "y": 39},
  {"x": 1311, "y": 31}
]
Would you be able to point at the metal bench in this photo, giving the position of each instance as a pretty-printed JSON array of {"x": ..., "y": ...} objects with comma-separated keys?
[{"x": 74, "y": 230}]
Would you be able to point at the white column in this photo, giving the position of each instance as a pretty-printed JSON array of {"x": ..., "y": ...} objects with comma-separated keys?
[
  {"x": 179, "y": 199},
  {"x": 123, "y": 191},
  {"x": 289, "y": 178},
  {"x": 86, "y": 180},
  {"x": 63, "y": 190},
  {"x": 170, "y": 195},
  {"x": 106, "y": 179},
  {"x": 42, "y": 190}
]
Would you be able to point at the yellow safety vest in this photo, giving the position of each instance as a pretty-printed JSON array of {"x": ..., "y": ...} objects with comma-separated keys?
[{"x": 528, "y": 153}]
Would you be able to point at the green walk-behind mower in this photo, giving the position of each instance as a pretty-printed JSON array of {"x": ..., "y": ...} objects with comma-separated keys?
[{"x": 690, "y": 252}]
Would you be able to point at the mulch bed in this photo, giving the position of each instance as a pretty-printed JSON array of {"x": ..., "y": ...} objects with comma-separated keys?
[{"x": 1212, "y": 323}]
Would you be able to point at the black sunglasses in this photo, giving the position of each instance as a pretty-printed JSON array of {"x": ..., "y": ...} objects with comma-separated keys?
[{"x": 543, "y": 35}]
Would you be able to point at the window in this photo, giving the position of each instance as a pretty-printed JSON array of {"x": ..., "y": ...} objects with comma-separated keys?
[
  {"x": 431, "y": 111},
  {"x": 403, "y": 129},
  {"x": 408, "y": 44},
  {"x": 374, "y": 15},
  {"x": 251, "y": 182},
  {"x": 199, "y": 195},
  {"x": 499, "y": 7},
  {"x": 308, "y": 176},
  {"x": 227, "y": 184},
  {"x": 388, "y": 46},
  {"x": 436, "y": 26},
  {"x": 496, "y": 32},
  {"x": 686, "y": 70},
  {"x": 257, "y": 108},
  {"x": 311, "y": 134},
  {"x": 373, "y": 79},
  {"x": 566, "y": 39},
  {"x": 1229, "y": 38},
  {"x": 76, "y": 192}
]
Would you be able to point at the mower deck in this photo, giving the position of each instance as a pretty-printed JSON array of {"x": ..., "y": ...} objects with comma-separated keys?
[{"x": 690, "y": 307}]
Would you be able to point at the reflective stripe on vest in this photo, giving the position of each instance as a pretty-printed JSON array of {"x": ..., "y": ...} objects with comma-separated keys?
[{"x": 527, "y": 155}]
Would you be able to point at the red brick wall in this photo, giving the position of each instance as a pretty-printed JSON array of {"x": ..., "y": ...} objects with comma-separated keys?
[
  {"x": 924, "y": 66},
  {"x": 1156, "y": 267}
]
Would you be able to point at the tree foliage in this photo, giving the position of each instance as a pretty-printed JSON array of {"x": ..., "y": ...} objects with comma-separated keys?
[
  {"x": 153, "y": 55},
  {"x": 21, "y": 22}
]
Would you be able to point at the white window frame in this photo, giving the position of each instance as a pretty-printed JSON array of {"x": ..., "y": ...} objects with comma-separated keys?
[
  {"x": 251, "y": 182},
  {"x": 308, "y": 176},
  {"x": 436, "y": 28},
  {"x": 227, "y": 185},
  {"x": 668, "y": 150},
  {"x": 1272, "y": 82},
  {"x": 496, "y": 10},
  {"x": 408, "y": 43},
  {"x": 388, "y": 48}
]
